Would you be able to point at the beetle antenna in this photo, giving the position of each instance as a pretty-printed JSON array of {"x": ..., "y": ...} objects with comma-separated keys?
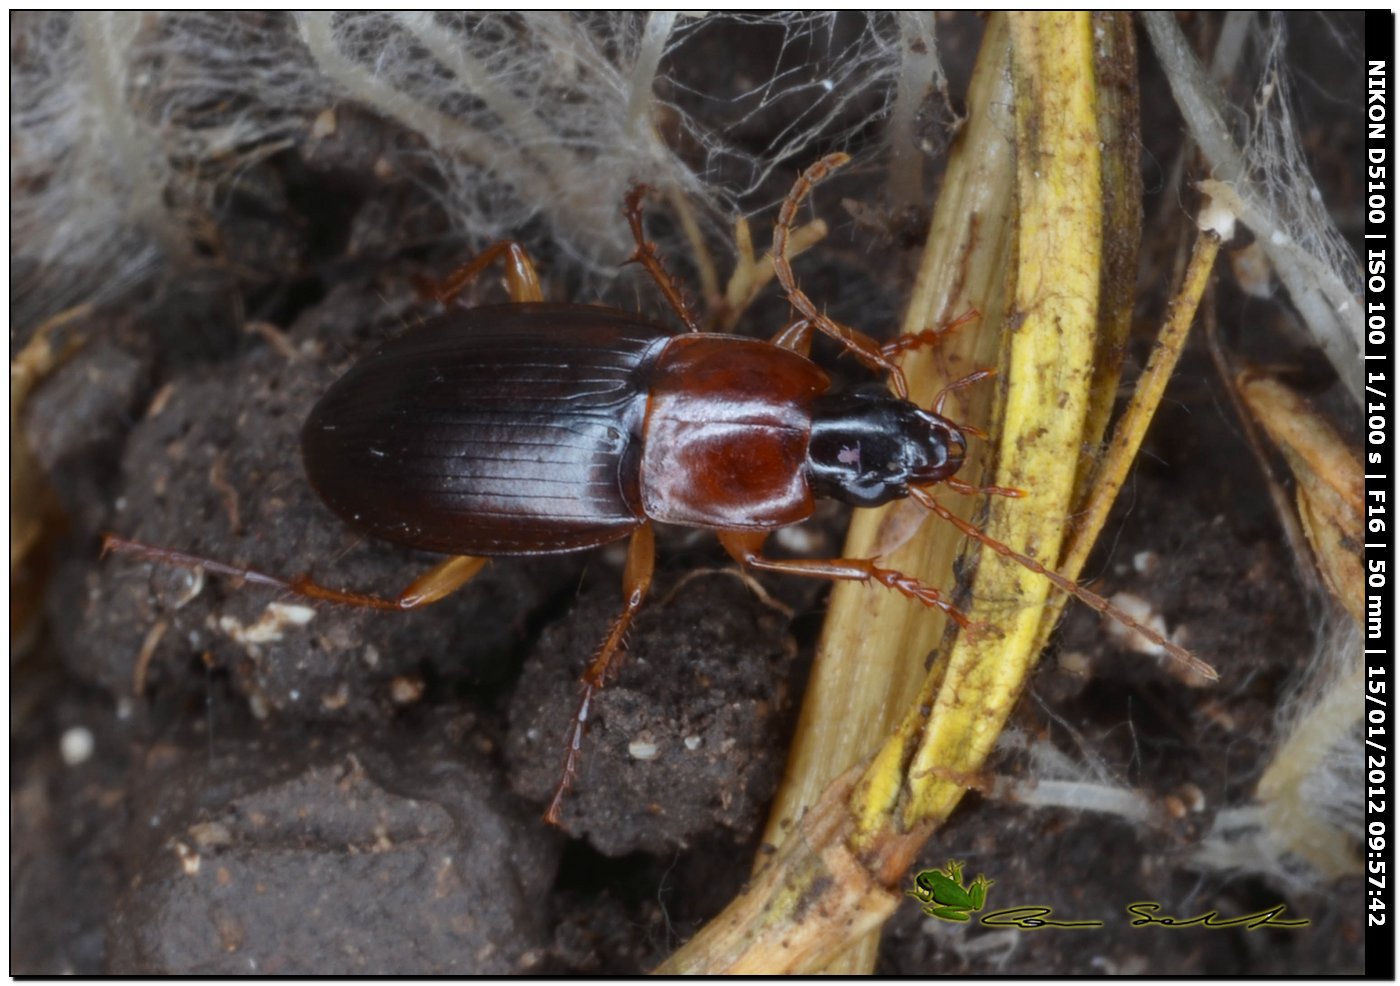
[
  {"x": 860, "y": 345},
  {"x": 782, "y": 267},
  {"x": 1091, "y": 599}
]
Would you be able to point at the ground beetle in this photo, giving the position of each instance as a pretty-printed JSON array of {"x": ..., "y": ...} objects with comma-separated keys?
[{"x": 534, "y": 428}]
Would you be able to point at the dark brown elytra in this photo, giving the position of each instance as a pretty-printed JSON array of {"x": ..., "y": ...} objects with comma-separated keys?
[{"x": 536, "y": 428}]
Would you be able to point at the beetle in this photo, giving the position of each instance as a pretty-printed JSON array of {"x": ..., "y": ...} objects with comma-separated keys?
[{"x": 536, "y": 428}]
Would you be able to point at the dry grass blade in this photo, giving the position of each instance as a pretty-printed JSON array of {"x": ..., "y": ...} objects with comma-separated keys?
[
  {"x": 1112, "y": 471},
  {"x": 870, "y": 661},
  {"x": 1047, "y": 381},
  {"x": 33, "y": 509},
  {"x": 811, "y": 904},
  {"x": 28, "y": 499},
  {"x": 1330, "y": 483}
]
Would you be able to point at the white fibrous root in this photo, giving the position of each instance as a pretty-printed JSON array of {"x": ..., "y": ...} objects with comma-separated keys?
[
  {"x": 129, "y": 130},
  {"x": 1261, "y": 176},
  {"x": 1305, "y": 821},
  {"x": 1054, "y": 779}
]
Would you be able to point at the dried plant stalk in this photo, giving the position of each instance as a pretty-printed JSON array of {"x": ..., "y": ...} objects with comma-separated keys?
[
  {"x": 1305, "y": 253},
  {"x": 1330, "y": 483},
  {"x": 1048, "y": 359},
  {"x": 33, "y": 509},
  {"x": 1306, "y": 803},
  {"x": 819, "y": 895},
  {"x": 870, "y": 661},
  {"x": 1112, "y": 471}
]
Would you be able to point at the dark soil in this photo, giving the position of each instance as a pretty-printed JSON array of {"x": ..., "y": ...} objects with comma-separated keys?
[{"x": 286, "y": 788}]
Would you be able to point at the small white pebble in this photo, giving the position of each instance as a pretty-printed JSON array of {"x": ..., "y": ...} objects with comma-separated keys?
[
  {"x": 1075, "y": 662},
  {"x": 189, "y": 859},
  {"x": 76, "y": 746},
  {"x": 642, "y": 749},
  {"x": 406, "y": 689},
  {"x": 1145, "y": 562},
  {"x": 258, "y": 705},
  {"x": 208, "y": 835},
  {"x": 269, "y": 627},
  {"x": 1192, "y": 797},
  {"x": 324, "y": 124},
  {"x": 692, "y": 742}
]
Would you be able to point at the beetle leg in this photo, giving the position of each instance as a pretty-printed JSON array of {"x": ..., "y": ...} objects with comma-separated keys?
[
  {"x": 746, "y": 548},
  {"x": 636, "y": 580},
  {"x": 441, "y": 581},
  {"x": 928, "y": 337},
  {"x": 860, "y": 345},
  {"x": 975, "y": 376},
  {"x": 438, "y": 582},
  {"x": 646, "y": 255},
  {"x": 1091, "y": 599},
  {"x": 796, "y": 336},
  {"x": 521, "y": 280},
  {"x": 958, "y": 486}
]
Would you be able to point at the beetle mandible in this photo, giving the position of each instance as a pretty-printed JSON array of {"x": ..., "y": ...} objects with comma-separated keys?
[{"x": 536, "y": 428}]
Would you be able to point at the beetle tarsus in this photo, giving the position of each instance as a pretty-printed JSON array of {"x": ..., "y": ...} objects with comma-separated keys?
[
  {"x": 636, "y": 579},
  {"x": 920, "y": 592},
  {"x": 958, "y": 486},
  {"x": 554, "y": 814},
  {"x": 927, "y": 337},
  {"x": 439, "y": 582}
]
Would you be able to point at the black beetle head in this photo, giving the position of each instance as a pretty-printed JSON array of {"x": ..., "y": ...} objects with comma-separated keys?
[{"x": 868, "y": 447}]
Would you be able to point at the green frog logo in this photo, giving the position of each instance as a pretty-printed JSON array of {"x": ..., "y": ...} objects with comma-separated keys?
[{"x": 942, "y": 894}]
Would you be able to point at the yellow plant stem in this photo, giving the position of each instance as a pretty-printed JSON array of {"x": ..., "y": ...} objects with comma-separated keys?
[
  {"x": 1147, "y": 395},
  {"x": 829, "y": 884},
  {"x": 1047, "y": 378},
  {"x": 871, "y": 659}
]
